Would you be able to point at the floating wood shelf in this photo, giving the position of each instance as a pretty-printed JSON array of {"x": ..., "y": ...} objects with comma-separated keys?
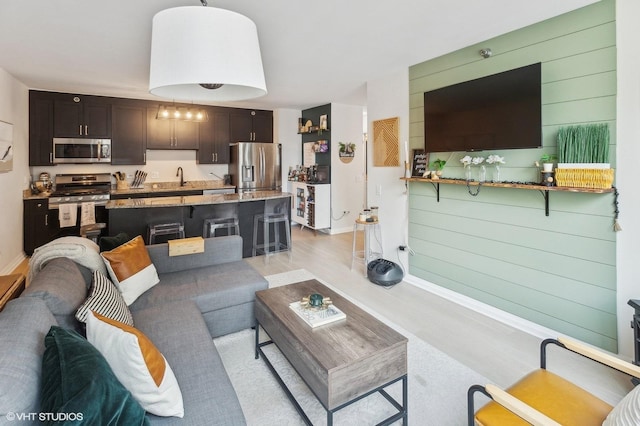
[{"x": 544, "y": 190}]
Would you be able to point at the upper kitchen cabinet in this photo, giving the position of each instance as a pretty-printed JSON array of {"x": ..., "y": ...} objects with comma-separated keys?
[
  {"x": 170, "y": 134},
  {"x": 129, "y": 132},
  {"x": 214, "y": 137},
  {"x": 251, "y": 125},
  {"x": 81, "y": 116},
  {"x": 40, "y": 128}
]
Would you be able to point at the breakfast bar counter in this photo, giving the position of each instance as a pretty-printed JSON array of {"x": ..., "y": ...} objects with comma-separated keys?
[
  {"x": 133, "y": 216},
  {"x": 194, "y": 200}
]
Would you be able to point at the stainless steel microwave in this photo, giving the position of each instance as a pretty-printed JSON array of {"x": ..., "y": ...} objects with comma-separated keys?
[{"x": 76, "y": 150}]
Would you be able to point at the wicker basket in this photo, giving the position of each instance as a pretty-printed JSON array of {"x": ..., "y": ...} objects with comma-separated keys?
[{"x": 585, "y": 178}]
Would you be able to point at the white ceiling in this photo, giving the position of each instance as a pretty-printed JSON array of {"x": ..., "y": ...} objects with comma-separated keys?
[{"x": 313, "y": 52}]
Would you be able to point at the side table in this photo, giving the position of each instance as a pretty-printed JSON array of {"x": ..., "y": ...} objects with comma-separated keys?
[
  {"x": 371, "y": 231},
  {"x": 10, "y": 287}
]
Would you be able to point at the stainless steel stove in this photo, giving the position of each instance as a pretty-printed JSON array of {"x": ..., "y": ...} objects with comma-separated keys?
[{"x": 81, "y": 188}]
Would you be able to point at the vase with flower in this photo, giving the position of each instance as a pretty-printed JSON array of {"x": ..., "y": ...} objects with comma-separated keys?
[{"x": 496, "y": 161}]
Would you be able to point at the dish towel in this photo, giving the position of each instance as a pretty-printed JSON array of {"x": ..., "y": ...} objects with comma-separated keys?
[
  {"x": 68, "y": 215},
  {"x": 87, "y": 214}
]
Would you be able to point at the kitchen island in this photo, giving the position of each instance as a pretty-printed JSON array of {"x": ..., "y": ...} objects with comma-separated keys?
[{"x": 134, "y": 215}]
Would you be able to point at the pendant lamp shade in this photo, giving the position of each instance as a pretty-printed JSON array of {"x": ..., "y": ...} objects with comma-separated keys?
[{"x": 205, "y": 54}]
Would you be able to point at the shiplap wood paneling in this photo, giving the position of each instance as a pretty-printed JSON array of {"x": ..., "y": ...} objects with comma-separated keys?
[{"x": 499, "y": 247}]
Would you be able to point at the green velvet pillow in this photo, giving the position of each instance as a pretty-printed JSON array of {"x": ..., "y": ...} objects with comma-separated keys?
[
  {"x": 79, "y": 387},
  {"x": 109, "y": 243}
]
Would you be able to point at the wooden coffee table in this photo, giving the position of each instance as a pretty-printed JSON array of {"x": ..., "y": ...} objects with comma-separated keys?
[{"x": 340, "y": 362}]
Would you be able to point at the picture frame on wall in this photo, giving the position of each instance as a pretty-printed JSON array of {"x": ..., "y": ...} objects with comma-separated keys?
[
  {"x": 6, "y": 147},
  {"x": 419, "y": 163},
  {"x": 324, "y": 122}
]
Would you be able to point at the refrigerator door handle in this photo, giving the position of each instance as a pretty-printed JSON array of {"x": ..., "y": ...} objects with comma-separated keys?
[{"x": 263, "y": 164}]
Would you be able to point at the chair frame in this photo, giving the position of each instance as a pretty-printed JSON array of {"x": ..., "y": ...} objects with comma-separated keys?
[{"x": 525, "y": 411}]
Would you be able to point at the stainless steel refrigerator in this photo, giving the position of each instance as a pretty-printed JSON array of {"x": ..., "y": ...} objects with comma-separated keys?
[{"x": 256, "y": 166}]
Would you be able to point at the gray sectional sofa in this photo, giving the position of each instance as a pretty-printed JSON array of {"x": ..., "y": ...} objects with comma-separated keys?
[{"x": 200, "y": 296}]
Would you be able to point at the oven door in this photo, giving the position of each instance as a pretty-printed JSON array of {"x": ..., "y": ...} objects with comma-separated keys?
[
  {"x": 75, "y": 151},
  {"x": 57, "y": 231}
]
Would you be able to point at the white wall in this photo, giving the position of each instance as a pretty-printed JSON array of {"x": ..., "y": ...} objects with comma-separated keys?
[
  {"x": 285, "y": 132},
  {"x": 14, "y": 106},
  {"x": 347, "y": 179},
  {"x": 388, "y": 97},
  {"x": 628, "y": 140}
]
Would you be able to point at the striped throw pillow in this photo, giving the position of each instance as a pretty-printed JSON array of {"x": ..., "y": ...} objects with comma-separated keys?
[{"x": 105, "y": 299}]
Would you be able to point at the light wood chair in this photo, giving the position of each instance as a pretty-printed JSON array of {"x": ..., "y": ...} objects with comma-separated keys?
[{"x": 544, "y": 398}]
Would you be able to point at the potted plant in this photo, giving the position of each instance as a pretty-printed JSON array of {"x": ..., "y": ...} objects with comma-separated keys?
[
  {"x": 438, "y": 164},
  {"x": 547, "y": 162}
]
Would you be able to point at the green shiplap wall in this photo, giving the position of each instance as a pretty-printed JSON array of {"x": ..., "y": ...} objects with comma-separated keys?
[{"x": 499, "y": 247}]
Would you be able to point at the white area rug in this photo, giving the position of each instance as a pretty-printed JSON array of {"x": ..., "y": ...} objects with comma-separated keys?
[{"x": 437, "y": 383}]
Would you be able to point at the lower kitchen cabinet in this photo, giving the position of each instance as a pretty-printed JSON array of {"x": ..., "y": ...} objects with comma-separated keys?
[{"x": 37, "y": 228}]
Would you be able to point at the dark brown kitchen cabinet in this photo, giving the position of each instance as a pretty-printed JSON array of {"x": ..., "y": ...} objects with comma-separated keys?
[
  {"x": 214, "y": 137},
  {"x": 129, "y": 133},
  {"x": 37, "y": 224},
  {"x": 170, "y": 134},
  {"x": 40, "y": 129},
  {"x": 251, "y": 125},
  {"x": 81, "y": 116}
]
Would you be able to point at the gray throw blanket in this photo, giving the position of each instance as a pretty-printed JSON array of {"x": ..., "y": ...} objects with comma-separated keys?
[{"x": 81, "y": 250}]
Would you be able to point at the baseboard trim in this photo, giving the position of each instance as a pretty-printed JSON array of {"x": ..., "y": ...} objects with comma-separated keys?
[
  {"x": 489, "y": 311},
  {"x": 11, "y": 267}
]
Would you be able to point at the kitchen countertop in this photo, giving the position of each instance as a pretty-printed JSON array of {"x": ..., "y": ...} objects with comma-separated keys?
[
  {"x": 193, "y": 200},
  {"x": 149, "y": 188},
  {"x": 159, "y": 187}
]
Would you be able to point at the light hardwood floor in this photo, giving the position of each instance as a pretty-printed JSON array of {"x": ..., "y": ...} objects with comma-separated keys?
[{"x": 499, "y": 352}]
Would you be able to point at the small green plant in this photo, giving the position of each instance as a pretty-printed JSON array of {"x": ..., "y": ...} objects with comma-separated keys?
[
  {"x": 439, "y": 164},
  {"x": 548, "y": 158}
]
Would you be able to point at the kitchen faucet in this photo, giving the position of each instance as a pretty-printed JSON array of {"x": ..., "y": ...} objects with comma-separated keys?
[{"x": 180, "y": 173}]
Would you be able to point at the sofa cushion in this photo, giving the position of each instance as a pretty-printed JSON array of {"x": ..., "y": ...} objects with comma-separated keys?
[
  {"x": 77, "y": 379},
  {"x": 130, "y": 269},
  {"x": 63, "y": 288},
  {"x": 23, "y": 324},
  {"x": 105, "y": 299},
  {"x": 212, "y": 288},
  {"x": 138, "y": 364},
  {"x": 216, "y": 251},
  {"x": 209, "y": 397}
]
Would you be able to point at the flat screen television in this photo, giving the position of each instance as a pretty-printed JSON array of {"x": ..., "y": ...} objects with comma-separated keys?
[{"x": 499, "y": 111}]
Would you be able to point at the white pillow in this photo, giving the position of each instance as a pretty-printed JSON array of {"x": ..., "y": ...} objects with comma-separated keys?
[
  {"x": 138, "y": 364},
  {"x": 130, "y": 268},
  {"x": 626, "y": 412}
]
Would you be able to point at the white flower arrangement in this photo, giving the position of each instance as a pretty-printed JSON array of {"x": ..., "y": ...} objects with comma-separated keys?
[
  {"x": 495, "y": 159},
  {"x": 466, "y": 160},
  {"x": 477, "y": 160}
]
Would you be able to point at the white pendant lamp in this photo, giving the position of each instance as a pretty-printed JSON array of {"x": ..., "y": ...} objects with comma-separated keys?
[{"x": 205, "y": 54}]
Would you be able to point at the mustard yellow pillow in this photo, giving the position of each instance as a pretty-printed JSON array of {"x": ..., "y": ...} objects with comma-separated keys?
[
  {"x": 137, "y": 364},
  {"x": 130, "y": 269}
]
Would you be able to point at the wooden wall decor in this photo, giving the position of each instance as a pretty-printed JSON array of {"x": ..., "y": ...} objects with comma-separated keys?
[{"x": 386, "y": 144}]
